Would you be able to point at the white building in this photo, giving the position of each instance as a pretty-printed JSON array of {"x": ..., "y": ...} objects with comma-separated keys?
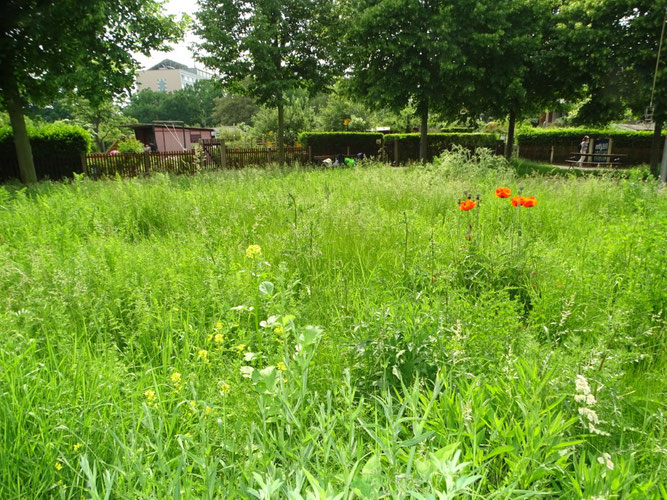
[{"x": 168, "y": 75}]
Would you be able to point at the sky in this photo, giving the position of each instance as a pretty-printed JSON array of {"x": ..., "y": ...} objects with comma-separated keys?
[{"x": 180, "y": 52}]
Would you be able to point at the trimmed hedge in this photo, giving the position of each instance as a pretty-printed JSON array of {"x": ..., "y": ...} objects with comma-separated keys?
[
  {"x": 568, "y": 135},
  {"x": 408, "y": 144},
  {"x": 331, "y": 143},
  {"x": 56, "y": 150},
  {"x": 536, "y": 144}
]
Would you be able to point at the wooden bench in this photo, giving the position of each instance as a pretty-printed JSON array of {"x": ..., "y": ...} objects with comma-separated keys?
[{"x": 611, "y": 160}]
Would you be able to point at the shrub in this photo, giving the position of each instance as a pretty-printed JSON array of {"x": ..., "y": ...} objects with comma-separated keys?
[
  {"x": 567, "y": 136},
  {"x": 536, "y": 144},
  {"x": 56, "y": 150},
  {"x": 328, "y": 143},
  {"x": 130, "y": 145},
  {"x": 408, "y": 144}
]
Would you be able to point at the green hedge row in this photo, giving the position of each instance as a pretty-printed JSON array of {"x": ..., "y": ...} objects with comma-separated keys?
[
  {"x": 56, "y": 150},
  {"x": 569, "y": 136},
  {"x": 408, "y": 144},
  {"x": 50, "y": 139},
  {"x": 326, "y": 143}
]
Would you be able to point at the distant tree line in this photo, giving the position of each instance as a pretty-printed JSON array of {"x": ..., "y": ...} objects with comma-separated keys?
[{"x": 294, "y": 64}]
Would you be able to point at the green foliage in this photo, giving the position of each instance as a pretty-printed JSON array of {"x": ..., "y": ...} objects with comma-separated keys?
[
  {"x": 49, "y": 139},
  {"x": 368, "y": 143},
  {"x": 130, "y": 145},
  {"x": 233, "y": 110},
  {"x": 568, "y": 136},
  {"x": 148, "y": 344},
  {"x": 437, "y": 143},
  {"x": 193, "y": 105},
  {"x": 299, "y": 116},
  {"x": 332, "y": 115}
]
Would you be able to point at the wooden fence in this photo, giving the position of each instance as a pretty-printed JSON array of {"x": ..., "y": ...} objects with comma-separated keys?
[{"x": 212, "y": 156}]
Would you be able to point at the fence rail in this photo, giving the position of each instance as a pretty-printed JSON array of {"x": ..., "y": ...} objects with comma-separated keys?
[{"x": 212, "y": 156}]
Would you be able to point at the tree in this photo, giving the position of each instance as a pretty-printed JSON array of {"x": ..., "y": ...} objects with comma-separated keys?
[
  {"x": 616, "y": 43},
  {"x": 332, "y": 115},
  {"x": 193, "y": 104},
  {"x": 103, "y": 121},
  {"x": 233, "y": 109},
  {"x": 410, "y": 55},
  {"x": 298, "y": 117},
  {"x": 268, "y": 47},
  {"x": 520, "y": 60},
  {"x": 50, "y": 47}
]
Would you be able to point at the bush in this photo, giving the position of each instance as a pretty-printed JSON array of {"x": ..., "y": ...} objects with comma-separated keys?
[
  {"x": 49, "y": 139},
  {"x": 329, "y": 143},
  {"x": 130, "y": 145},
  {"x": 535, "y": 144},
  {"x": 408, "y": 144},
  {"x": 56, "y": 150},
  {"x": 566, "y": 136}
]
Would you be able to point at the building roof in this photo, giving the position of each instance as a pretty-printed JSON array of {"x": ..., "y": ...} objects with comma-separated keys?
[
  {"x": 164, "y": 124},
  {"x": 168, "y": 64}
]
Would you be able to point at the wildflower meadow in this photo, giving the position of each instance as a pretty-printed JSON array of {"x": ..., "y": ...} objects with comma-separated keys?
[{"x": 451, "y": 330}]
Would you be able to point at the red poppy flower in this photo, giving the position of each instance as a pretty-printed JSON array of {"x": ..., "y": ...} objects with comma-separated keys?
[
  {"x": 467, "y": 205},
  {"x": 503, "y": 192},
  {"x": 528, "y": 201},
  {"x": 516, "y": 201}
]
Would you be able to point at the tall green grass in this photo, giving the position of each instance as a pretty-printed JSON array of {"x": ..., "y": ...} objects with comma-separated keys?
[{"x": 147, "y": 354}]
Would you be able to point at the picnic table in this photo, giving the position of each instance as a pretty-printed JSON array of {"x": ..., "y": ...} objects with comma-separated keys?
[{"x": 610, "y": 160}]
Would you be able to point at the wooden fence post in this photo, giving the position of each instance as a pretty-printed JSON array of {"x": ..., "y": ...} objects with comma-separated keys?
[
  {"x": 551, "y": 157},
  {"x": 202, "y": 155},
  {"x": 348, "y": 151},
  {"x": 396, "y": 151},
  {"x": 268, "y": 155},
  {"x": 147, "y": 162},
  {"x": 223, "y": 154},
  {"x": 84, "y": 163}
]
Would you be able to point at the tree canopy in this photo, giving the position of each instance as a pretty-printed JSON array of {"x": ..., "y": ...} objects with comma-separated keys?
[
  {"x": 193, "y": 104},
  {"x": 268, "y": 48},
  {"x": 84, "y": 45}
]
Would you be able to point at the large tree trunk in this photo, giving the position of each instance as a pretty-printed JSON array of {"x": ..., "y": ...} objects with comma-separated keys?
[
  {"x": 656, "y": 147},
  {"x": 423, "y": 132},
  {"x": 281, "y": 127},
  {"x": 509, "y": 145},
  {"x": 14, "y": 106}
]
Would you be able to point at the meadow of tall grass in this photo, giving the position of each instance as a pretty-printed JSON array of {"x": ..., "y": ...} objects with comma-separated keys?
[{"x": 311, "y": 334}]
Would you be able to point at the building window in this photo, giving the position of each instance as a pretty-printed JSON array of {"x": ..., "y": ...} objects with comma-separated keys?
[{"x": 162, "y": 84}]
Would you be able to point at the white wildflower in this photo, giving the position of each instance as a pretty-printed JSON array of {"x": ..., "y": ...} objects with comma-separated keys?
[
  {"x": 605, "y": 459},
  {"x": 590, "y": 415},
  {"x": 581, "y": 385},
  {"x": 246, "y": 371},
  {"x": 249, "y": 356}
]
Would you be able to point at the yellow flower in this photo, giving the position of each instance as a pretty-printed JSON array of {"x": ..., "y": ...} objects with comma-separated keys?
[
  {"x": 281, "y": 366},
  {"x": 207, "y": 410},
  {"x": 253, "y": 251},
  {"x": 203, "y": 355},
  {"x": 279, "y": 330},
  {"x": 151, "y": 400},
  {"x": 77, "y": 446},
  {"x": 240, "y": 347},
  {"x": 176, "y": 381},
  {"x": 218, "y": 326},
  {"x": 210, "y": 337},
  {"x": 58, "y": 466},
  {"x": 224, "y": 387},
  {"x": 219, "y": 338}
]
